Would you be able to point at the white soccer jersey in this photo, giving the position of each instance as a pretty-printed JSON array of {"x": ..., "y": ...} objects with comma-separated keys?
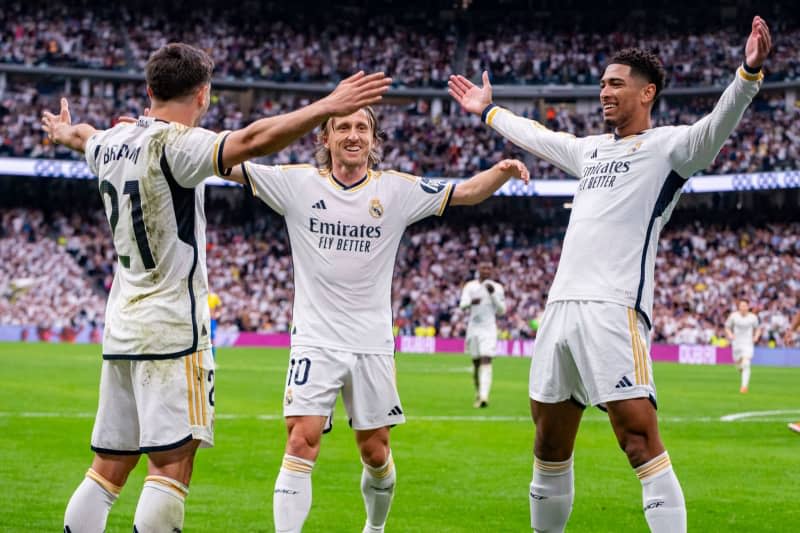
[
  {"x": 344, "y": 243},
  {"x": 743, "y": 328},
  {"x": 482, "y": 316},
  {"x": 627, "y": 190},
  {"x": 150, "y": 175}
]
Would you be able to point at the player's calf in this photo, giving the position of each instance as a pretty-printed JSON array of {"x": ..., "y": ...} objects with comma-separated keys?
[
  {"x": 291, "y": 500},
  {"x": 662, "y": 497},
  {"x": 377, "y": 488},
  {"x": 89, "y": 505},
  {"x": 161, "y": 506},
  {"x": 551, "y": 495}
]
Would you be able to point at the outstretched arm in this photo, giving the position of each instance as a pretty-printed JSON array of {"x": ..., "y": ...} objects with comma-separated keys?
[
  {"x": 481, "y": 186},
  {"x": 61, "y": 130},
  {"x": 559, "y": 149},
  {"x": 697, "y": 146},
  {"x": 272, "y": 134}
]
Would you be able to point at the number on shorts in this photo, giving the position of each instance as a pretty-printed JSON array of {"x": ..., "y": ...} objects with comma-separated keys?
[
  {"x": 298, "y": 371},
  {"x": 211, "y": 391}
]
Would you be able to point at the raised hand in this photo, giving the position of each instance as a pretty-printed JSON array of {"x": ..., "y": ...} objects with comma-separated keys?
[
  {"x": 515, "y": 168},
  {"x": 357, "y": 91},
  {"x": 758, "y": 44},
  {"x": 473, "y": 99},
  {"x": 57, "y": 126}
]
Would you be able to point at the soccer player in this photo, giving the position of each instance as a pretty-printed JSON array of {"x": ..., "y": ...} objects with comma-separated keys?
[
  {"x": 345, "y": 221},
  {"x": 157, "y": 381},
  {"x": 743, "y": 331},
  {"x": 485, "y": 300},
  {"x": 592, "y": 347}
]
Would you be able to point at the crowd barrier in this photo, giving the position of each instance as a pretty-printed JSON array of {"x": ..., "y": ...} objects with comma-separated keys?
[{"x": 687, "y": 354}]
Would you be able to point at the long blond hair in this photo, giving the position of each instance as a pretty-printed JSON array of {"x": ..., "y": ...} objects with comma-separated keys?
[{"x": 323, "y": 154}]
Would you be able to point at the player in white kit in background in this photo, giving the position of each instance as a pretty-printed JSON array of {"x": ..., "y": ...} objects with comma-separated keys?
[
  {"x": 485, "y": 300},
  {"x": 345, "y": 221},
  {"x": 743, "y": 331},
  {"x": 157, "y": 381},
  {"x": 593, "y": 344}
]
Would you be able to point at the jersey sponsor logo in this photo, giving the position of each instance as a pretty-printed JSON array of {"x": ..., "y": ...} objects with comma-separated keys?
[
  {"x": 375, "y": 208},
  {"x": 432, "y": 186},
  {"x": 344, "y": 237},
  {"x": 602, "y": 175},
  {"x": 319, "y": 205}
]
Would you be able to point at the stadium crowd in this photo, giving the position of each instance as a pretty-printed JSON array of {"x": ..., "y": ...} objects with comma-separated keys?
[
  {"x": 56, "y": 269},
  {"x": 417, "y": 49},
  {"x": 417, "y": 140}
]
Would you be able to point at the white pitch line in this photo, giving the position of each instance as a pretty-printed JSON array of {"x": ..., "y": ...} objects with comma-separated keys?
[{"x": 750, "y": 416}]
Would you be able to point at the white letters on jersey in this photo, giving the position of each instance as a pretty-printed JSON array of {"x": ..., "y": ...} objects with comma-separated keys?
[
  {"x": 344, "y": 243},
  {"x": 150, "y": 178}
]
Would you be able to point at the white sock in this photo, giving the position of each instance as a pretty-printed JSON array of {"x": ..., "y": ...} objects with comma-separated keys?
[
  {"x": 160, "y": 507},
  {"x": 291, "y": 500},
  {"x": 87, "y": 510},
  {"x": 377, "y": 487},
  {"x": 746, "y": 374},
  {"x": 552, "y": 491},
  {"x": 484, "y": 381},
  {"x": 662, "y": 498}
]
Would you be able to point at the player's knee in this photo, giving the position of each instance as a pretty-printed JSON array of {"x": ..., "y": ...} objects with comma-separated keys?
[
  {"x": 636, "y": 446},
  {"x": 549, "y": 448},
  {"x": 375, "y": 455},
  {"x": 303, "y": 444}
]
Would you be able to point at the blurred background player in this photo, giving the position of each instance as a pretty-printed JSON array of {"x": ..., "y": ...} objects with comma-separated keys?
[
  {"x": 214, "y": 303},
  {"x": 345, "y": 221},
  {"x": 743, "y": 331},
  {"x": 593, "y": 346},
  {"x": 151, "y": 177},
  {"x": 485, "y": 300}
]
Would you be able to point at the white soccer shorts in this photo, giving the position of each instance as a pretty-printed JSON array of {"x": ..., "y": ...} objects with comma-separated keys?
[
  {"x": 481, "y": 345},
  {"x": 155, "y": 405},
  {"x": 742, "y": 353},
  {"x": 591, "y": 352},
  {"x": 367, "y": 381}
]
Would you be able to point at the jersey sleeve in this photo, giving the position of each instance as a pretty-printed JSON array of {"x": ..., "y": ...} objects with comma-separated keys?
[
  {"x": 270, "y": 184},
  {"x": 424, "y": 197},
  {"x": 560, "y": 149},
  {"x": 695, "y": 147},
  {"x": 729, "y": 322},
  {"x": 465, "y": 301},
  {"x": 194, "y": 154},
  {"x": 92, "y": 151},
  {"x": 499, "y": 300}
]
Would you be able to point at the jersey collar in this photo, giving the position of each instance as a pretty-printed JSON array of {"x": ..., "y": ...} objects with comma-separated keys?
[{"x": 352, "y": 187}]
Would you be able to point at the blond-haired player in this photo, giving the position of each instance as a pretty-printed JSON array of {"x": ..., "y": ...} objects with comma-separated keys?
[
  {"x": 743, "y": 331},
  {"x": 345, "y": 221},
  {"x": 485, "y": 300},
  {"x": 157, "y": 381}
]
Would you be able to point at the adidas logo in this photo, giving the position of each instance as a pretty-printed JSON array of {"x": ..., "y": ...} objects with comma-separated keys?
[
  {"x": 396, "y": 411},
  {"x": 594, "y": 154},
  {"x": 624, "y": 383},
  {"x": 319, "y": 205}
]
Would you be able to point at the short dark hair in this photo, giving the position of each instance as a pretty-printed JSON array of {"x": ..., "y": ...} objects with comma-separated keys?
[
  {"x": 177, "y": 69},
  {"x": 643, "y": 63}
]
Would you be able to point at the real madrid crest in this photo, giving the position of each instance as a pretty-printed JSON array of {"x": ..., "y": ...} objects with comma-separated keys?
[
  {"x": 289, "y": 397},
  {"x": 635, "y": 147},
  {"x": 375, "y": 208}
]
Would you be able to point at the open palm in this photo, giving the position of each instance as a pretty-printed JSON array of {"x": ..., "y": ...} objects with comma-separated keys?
[
  {"x": 758, "y": 43},
  {"x": 473, "y": 99}
]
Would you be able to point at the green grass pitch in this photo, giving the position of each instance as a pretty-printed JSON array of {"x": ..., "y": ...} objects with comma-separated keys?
[{"x": 459, "y": 469}]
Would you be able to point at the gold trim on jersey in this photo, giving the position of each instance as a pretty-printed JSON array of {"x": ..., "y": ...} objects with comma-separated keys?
[
  {"x": 639, "y": 350},
  {"x": 215, "y": 153},
  {"x": 492, "y": 114},
  {"x": 443, "y": 204},
  {"x": 408, "y": 177},
  {"x": 750, "y": 77},
  {"x": 295, "y": 165},
  {"x": 358, "y": 187}
]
